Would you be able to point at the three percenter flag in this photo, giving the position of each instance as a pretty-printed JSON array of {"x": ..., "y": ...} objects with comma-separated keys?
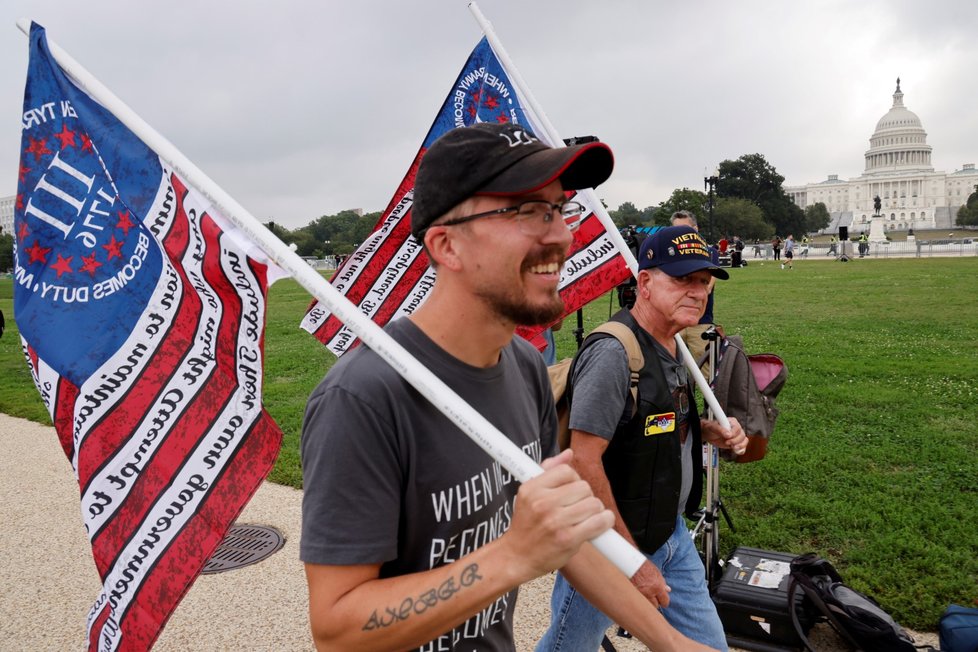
[
  {"x": 389, "y": 276},
  {"x": 143, "y": 316}
]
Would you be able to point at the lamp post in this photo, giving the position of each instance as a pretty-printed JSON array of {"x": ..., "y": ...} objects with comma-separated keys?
[{"x": 710, "y": 184}]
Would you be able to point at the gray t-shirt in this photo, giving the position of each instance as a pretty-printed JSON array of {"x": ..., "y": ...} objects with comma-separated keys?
[
  {"x": 388, "y": 479},
  {"x": 601, "y": 398}
]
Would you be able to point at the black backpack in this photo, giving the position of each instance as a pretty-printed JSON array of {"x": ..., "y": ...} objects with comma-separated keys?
[{"x": 858, "y": 619}]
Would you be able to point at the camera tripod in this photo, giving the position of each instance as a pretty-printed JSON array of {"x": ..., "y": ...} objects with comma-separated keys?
[{"x": 708, "y": 517}]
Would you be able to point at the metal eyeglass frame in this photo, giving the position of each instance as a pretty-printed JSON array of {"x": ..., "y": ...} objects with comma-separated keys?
[{"x": 567, "y": 209}]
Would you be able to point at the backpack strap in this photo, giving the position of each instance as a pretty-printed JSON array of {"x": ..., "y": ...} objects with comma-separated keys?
[
  {"x": 636, "y": 360},
  {"x": 792, "y": 587},
  {"x": 805, "y": 582},
  {"x": 802, "y": 569}
]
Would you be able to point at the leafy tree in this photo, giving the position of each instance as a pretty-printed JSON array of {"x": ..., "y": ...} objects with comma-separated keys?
[
  {"x": 967, "y": 214},
  {"x": 6, "y": 252},
  {"x": 280, "y": 232},
  {"x": 307, "y": 244},
  {"x": 683, "y": 199},
  {"x": 816, "y": 217},
  {"x": 741, "y": 217},
  {"x": 334, "y": 234},
  {"x": 626, "y": 215},
  {"x": 752, "y": 177},
  {"x": 648, "y": 215}
]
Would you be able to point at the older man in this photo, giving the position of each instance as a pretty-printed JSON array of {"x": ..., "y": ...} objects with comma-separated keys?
[
  {"x": 412, "y": 536},
  {"x": 645, "y": 461}
]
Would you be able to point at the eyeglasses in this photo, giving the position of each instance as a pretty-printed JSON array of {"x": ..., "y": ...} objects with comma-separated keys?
[{"x": 533, "y": 217}]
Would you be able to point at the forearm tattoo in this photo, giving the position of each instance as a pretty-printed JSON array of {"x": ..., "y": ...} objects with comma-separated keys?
[{"x": 427, "y": 600}]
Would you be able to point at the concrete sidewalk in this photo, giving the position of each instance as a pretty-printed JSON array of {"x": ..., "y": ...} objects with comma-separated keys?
[{"x": 50, "y": 581}]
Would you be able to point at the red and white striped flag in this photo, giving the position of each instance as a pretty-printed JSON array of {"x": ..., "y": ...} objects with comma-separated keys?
[
  {"x": 143, "y": 317},
  {"x": 389, "y": 276}
]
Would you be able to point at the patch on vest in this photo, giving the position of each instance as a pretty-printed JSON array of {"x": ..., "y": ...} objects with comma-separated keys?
[{"x": 657, "y": 424}]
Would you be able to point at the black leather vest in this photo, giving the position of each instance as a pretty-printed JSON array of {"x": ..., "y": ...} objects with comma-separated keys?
[{"x": 645, "y": 470}]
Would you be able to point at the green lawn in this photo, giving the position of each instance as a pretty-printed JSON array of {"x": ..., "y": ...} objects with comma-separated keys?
[{"x": 874, "y": 462}]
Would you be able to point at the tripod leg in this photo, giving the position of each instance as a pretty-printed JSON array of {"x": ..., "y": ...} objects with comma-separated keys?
[
  {"x": 711, "y": 543},
  {"x": 726, "y": 516}
]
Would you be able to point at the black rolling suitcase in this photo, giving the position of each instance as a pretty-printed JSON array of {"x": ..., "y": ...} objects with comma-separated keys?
[{"x": 752, "y": 600}]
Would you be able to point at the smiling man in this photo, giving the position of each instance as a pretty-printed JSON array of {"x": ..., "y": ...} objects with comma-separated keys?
[
  {"x": 412, "y": 536},
  {"x": 645, "y": 462}
]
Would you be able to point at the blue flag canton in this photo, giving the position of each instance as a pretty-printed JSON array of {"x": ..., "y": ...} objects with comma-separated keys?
[
  {"x": 75, "y": 237},
  {"x": 85, "y": 265},
  {"x": 482, "y": 93}
]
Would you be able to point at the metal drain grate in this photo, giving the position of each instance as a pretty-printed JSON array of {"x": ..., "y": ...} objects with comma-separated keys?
[{"x": 244, "y": 545}]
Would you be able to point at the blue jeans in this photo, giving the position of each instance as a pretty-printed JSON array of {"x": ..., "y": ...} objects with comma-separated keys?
[{"x": 576, "y": 626}]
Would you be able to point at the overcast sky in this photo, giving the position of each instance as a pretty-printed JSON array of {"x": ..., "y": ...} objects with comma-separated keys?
[{"x": 300, "y": 109}]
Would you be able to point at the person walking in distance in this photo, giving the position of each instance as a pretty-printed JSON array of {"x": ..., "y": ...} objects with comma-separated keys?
[{"x": 789, "y": 251}]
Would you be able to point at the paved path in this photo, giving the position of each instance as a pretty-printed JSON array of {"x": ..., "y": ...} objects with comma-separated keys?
[{"x": 50, "y": 582}]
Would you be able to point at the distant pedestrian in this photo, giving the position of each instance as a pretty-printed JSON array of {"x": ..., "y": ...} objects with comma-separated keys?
[
  {"x": 789, "y": 252},
  {"x": 737, "y": 257},
  {"x": 776, "y": 246}
]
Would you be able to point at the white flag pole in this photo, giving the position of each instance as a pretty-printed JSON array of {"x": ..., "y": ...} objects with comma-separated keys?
[
  {"x": 483, "y": 433},
  {"x": 599, "y": 210}
]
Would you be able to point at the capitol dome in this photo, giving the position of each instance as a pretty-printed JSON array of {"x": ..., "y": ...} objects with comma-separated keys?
[
  {"x": 899, "y": 173},
  {"x": 899, "y": 143}
]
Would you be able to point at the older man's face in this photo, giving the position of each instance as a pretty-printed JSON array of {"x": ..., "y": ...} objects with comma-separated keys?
[{"x": 679, "y": 302}]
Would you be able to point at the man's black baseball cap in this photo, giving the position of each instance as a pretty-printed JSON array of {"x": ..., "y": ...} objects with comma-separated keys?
[{"x": 499, "y": 160}]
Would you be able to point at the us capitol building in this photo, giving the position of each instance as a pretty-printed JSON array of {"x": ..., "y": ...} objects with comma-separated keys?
[
  {"x": 7, "y": 214},
  {"x": 899, "y": 171}
]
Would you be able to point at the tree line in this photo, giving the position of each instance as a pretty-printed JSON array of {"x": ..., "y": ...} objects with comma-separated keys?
[
  {"x": 329, "y": 235},
  {"x": 748, "y": 201}
]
